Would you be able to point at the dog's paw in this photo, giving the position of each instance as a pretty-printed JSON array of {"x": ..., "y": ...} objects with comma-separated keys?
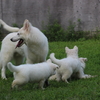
[
  {"x": 94, "y": 76},
  {"x": 4, "y": 78}
]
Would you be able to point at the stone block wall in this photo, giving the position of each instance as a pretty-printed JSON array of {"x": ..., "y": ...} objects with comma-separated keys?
[{"x": 40, "y": 12}]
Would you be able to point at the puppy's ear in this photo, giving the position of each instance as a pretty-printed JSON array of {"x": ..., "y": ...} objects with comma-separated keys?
[
  {"x": 66, "y": 49},
  {"x": 26, "y": 25},
  {"x": 56, "y": 67},
  {"x": 75, "y": 47}
]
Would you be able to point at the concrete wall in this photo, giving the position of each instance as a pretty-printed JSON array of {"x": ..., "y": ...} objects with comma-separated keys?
[{"x": 40, "y": 12}]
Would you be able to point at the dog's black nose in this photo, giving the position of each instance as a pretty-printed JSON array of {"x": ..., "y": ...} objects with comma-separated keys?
[{"x": 11, "y": 39}]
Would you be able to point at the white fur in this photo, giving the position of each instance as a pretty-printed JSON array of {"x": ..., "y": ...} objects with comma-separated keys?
[
  {"x": 83, "y": 60},
  {"x": 32, "y": 73},
  {"x": 34, "y": 49},
  {"x": 69, "y": 66},
  {"x": 7, "y": 27},
  {"x": 75, "y": 75},
  {"x": 8, "y": 52}
]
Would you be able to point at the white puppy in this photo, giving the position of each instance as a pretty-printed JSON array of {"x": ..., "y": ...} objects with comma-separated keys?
[
  {"x": 32, "y": 73},
  {"x": 74, "y": 75},
  {"x": 28, "y": 42},
  {"x": 83, "y": 65},
  {"x": 69, "y": 66}
]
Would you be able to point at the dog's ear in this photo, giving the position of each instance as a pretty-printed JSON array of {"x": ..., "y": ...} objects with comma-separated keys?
[
  {"x": 26, "y": 25},
  {"x": 55, "y": 66},
  {"x": 75, "y": 47},
  {"x": 66, "y": 49}
]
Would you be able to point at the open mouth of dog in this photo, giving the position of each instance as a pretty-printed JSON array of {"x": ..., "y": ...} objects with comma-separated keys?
[{"x": 20, "y": 43}]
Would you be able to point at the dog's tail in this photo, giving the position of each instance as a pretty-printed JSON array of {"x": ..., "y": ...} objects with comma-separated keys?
[
  {"x": 12, "y": 68},
  {"x": 7, "y": 27},
  {"x": 56, "y": 61}
]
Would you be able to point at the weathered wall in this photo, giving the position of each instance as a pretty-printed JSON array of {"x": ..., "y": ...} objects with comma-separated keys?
[{"x": 40, "y": 12}]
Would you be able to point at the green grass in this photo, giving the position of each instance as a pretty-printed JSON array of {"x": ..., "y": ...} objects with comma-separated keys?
[{"x": 83, "y": 89}]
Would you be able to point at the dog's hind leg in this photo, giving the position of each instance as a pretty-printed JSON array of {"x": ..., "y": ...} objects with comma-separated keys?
[
  {"x": 4, "y": 62},
  {"x": 66, "y": 76},
  {"x": 18, "y": 82},
  {"x": 87, "y": 76},
  {"x": 3, "y": 71},
  {"x": 82, "y": 75},
  {"x": 5, "y": 58}
]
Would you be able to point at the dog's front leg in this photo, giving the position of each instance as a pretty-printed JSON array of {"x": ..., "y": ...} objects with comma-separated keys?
[
  {"x": 28, "y": 61},
  {"x": 81, "y": 73},
  {"x": 3, "y": 71}
]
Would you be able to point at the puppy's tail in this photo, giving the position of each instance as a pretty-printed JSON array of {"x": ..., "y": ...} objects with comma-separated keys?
[
  {"x": 7, "y": 27},
  {"x": 12, "y": 68},
  {"x": 56, "y": 61}
]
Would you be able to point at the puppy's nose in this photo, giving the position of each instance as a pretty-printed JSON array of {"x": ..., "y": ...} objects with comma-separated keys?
[{"x": 11, "y": 39}]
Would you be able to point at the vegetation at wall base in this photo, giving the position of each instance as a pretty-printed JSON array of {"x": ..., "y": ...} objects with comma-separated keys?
[{"x": 55, "y": 32}]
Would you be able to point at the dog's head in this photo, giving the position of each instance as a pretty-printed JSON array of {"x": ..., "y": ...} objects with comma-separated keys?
[
  {"x": 22, "y": 34},
  {"x": 72, "y": 52},
  {"x": 53, "y": 66}
]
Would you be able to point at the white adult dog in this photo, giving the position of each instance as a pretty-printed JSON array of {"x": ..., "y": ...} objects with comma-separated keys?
[
  {"x": 32, "y": 73},
  {"x": 7, "y": 27},
  {"x": 69, "y": 66},
  {"x": 28, "y": 42}
]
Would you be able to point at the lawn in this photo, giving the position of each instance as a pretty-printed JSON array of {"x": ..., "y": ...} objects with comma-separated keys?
[{"x": 82, "y": 89}]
